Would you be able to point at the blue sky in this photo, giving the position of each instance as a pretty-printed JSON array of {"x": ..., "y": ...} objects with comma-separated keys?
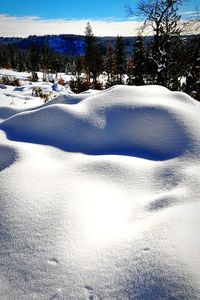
[
  {"x": 108, "y": 17},
  {"x": 65, "y": 8},
  {"x": 77, "y": 9}
]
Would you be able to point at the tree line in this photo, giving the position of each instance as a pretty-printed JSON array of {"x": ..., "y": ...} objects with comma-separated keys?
[{"x": 171, "y": 59}]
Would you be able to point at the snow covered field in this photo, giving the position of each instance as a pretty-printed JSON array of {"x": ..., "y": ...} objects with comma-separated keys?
[
  {"x": 99, "y": 195},
  {"x": 23, "y": 76}
]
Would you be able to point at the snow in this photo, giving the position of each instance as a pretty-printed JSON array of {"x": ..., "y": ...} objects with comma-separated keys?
[
  {"x": 58, "y": 87},
  {"x": 100, "y": 195},
  {"x": 12, "y": 73}
]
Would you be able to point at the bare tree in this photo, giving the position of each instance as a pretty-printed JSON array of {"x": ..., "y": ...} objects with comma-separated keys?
[{"x": 163, "y": 17}]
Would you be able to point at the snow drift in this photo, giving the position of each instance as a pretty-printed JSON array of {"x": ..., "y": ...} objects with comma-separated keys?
[
  {"x": 110, "y": 124},
  {"x": 100, "y": 197}
]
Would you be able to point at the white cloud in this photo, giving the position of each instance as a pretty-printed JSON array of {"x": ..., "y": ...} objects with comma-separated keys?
[
  {"x": 191, "y": 15},
  {"x": 25, "y": 26},
  {"x": 191, "y": 12}
]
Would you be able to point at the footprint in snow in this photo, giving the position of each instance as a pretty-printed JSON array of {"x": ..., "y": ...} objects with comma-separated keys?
[
  {"x": 56, "y": 296},
  {"x": 53, "y": 261},
  {"x": 146, "y": 249},
  {"x": 90, "y": 292}
]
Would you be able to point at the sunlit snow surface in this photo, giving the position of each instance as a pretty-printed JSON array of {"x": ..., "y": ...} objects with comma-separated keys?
[{"x": 100, "y": 196}]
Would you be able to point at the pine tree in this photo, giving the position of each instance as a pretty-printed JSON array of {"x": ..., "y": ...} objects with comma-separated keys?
[
  {"x": 93, "y": 59},
  {"x": 96, "y": 67},
  {"x": 79, "y": 64},
  {"x": 89, "y": 50},
  {"x": 45, "y": 55},
  {"x": 109, "y": 63},
  {"x": 139, "y": 61},
  {"x": 34, "y": 57},
  {"x": 120, "y": 58},
  {"x": 129, "y": 71},
  {"x": 56, "y": 63},
  {"x": 193, "y": 70}
]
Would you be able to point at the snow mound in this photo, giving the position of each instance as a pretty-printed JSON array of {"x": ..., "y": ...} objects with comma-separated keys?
[
  {"x": 67, "y": 98},
  {"x": 58, "y": 87},
  {"x": 2, "y": 86},
  {"x": 7, "y": 157},
  {"x": 122, "y": 121},
  {"x": 4, "y": 100},
  {"x": 113, "y": 216},
  {"x": 7, "y": 112},
  {"x": 90, "y": 91}
]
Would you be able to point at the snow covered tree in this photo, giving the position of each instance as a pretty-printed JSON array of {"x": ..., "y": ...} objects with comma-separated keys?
[{"x": 163, "y": 17}]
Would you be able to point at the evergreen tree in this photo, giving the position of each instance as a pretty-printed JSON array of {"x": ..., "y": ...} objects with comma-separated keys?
[
  {"x": 78, "y": 85},
  {"x": 56, "y": 64},
  {"x": 34, "y": 57},
  {"x": 129, "y": 71},
  {"x": 139, "y": 61},
  {"x": 79, "y": 64},
  {"x": 109, "y": 63},
  {"x": 45, "y": 55},
  {"x": 193, "y": 69},
  {"x": 96, "y": 68},
  {"x": 93, "y": 60},
  {"x": 120, "y": 58},
  {"x": 89, "y": 50}
]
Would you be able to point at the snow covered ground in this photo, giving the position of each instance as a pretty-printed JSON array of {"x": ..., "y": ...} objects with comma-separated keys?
[
  {"x": 23, "y": 76},
  {"x": 99, "y": 195}
]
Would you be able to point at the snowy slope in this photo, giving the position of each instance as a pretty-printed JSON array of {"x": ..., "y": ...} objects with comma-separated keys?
[
  {"x": 100, "y": 197},
  {"x": 18, "y": 99}
]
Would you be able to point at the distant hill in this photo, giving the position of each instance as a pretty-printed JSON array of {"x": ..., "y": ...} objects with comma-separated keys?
[{"x": 67, "y": 43}]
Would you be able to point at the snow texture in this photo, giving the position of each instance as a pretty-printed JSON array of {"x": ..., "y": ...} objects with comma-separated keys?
[{"x": 99, "y": 195}]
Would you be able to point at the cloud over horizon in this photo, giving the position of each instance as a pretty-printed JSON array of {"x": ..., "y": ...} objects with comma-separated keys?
[
  {"x": 11, "y": 26},
  {"x": 24, "y": 26}
]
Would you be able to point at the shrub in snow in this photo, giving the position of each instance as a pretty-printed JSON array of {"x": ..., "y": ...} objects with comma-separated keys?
[
  {"x": 46, "y": 96},
  {"x": 33, "y": 77},
  {"x": 6, "y": 80},
  {"x": 98, "y": 86},
  {"x": 78, "y": 85},
  {"x": 16, "y": 82},
  {"x": 36, "y": 91},
  {"x": 61, "y": 82},
  {"x": 111, "y": 83}
]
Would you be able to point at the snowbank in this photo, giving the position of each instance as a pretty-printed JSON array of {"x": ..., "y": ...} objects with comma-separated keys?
[
  {"x": 100, "y": 197},
  {"x": 109, "y": 124}
]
